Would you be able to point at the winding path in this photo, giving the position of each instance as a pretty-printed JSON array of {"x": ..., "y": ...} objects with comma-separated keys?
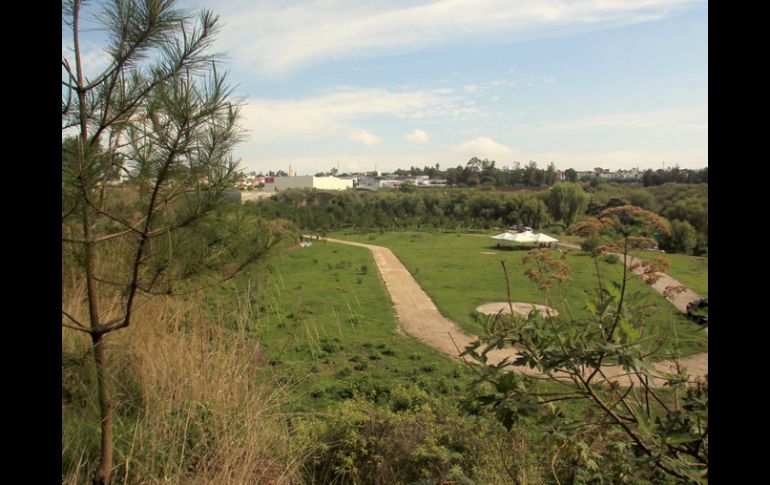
[{"x": 419, "y": 317}]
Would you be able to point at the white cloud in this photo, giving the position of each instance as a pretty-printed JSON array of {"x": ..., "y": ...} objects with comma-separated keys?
[
  {"x": 417, "y": 136},
  {"x": 93, "y": 58},
  {"x": 483, "y": 147},
  {"x": 277, "y": 38},
  {"x": 364, "y": 137},
  {"x": 335, "y": 114}
]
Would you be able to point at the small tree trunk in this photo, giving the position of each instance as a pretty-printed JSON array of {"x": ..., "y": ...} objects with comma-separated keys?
[{"x": 102, "y": 473}]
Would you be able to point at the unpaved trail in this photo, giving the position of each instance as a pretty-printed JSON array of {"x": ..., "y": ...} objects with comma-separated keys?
[{"x": 419, "y": 317}]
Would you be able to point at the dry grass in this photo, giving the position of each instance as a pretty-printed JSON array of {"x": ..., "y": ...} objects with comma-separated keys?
[{"x": 189, "y": 408}]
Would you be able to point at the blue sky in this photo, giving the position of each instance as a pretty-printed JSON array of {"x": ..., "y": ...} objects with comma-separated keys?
[{"x": 616, "y": 84}]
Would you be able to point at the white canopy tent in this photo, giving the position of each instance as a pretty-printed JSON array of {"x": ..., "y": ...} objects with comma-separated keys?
[
  {"x": 524, "y": 237},
  {"x": 544, "y": 238},
  {"x": 506, "y": 236}
]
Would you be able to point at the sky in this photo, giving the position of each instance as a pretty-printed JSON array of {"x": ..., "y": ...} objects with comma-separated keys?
[{"x": 362, "y": 85}]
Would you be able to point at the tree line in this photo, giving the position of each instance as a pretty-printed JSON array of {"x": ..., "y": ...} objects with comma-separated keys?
[
  {"x": 407, "y": 207},
  {"x": 478, "y": 172},
  {"x": 395, "y": 209},
  {"x": 675, "y": 175},
  {"x": 685, "y": 206}
]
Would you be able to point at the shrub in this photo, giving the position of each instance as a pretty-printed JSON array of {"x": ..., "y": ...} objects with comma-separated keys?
[
  {"x": 590, "y": 245},
  {"x": 409, "y": 438},
  {"x": 329, "y": 346},
  {"x": 683, "y": 237},
  {"x": 344, "y": 372}
]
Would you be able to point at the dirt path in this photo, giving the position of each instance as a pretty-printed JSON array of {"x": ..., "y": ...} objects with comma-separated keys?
[{"x": 419, "y": 317}]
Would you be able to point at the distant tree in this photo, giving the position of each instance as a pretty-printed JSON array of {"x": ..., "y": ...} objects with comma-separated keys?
[
  {"x": 693, "y": 210},
  {"x": 533, "y": 213},
  {"x": 644, "y": 199},
  {"x": 683, "y": 238},
  {"x": 566, "y": 201},
  {"x": 674, "y": 174},
  {"x": 474, "y": 164},
  {"x": 456, "y": 175},
  {"x": 571, "y": 175},
  {"x": 550, "y": 174},
  {"x": 531, "y": 175},
  {"x": 703, "y": 176}
]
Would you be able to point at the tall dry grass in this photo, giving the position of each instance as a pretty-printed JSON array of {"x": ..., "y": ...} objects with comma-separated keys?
[{"x": 189, "y": 405}]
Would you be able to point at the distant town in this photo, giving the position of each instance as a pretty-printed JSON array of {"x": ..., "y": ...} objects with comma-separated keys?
[{"x": 475, "y": 173}]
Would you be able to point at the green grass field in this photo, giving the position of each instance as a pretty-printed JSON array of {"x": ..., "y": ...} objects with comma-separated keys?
[
  {"x": 691, "y": 271},
  {"x": 328, "y": 329},
  {"x": 457, "y": 274}
]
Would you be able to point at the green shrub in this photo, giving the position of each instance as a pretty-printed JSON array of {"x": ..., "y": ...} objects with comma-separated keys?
[
  {"x": 329, "y": 346},
  {"x": 409, "y": 438},
  {"x": 590, "y": 246},
  {"x": 683, "y": 237}
]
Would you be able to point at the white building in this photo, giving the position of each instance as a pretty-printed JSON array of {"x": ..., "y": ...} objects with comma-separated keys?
[
  {"x": 374, "y": 182},
  {"x": 278, "y": 184}
]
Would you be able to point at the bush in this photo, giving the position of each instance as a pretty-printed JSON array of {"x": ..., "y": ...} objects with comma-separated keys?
[
  {"x": 611, "y": 259},
  {"x": 409, "y": 438},
  {"x": 683, "y": 237},
  {"x": 589, "y": 246}
]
